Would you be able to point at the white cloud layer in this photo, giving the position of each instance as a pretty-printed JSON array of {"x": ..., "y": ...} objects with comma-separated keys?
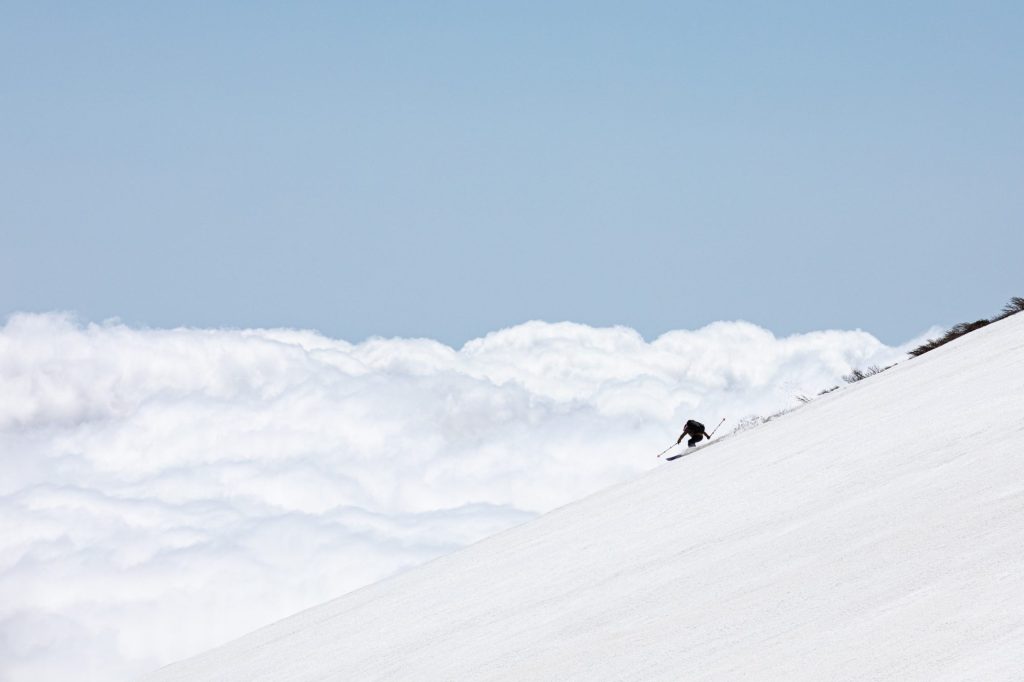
[{"x": 147, "y": 476}]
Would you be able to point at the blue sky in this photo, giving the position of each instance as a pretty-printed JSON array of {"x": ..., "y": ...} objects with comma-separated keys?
[{"x": 446, "y": 169}]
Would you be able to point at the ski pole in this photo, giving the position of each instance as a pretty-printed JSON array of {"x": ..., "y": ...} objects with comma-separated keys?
[
  {"x": 716, "y": 428},
  {"x": 667, "y": 449}
]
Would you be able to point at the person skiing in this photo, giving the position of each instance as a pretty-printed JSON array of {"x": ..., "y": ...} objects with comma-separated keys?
[{"x": 695, "y": 430}]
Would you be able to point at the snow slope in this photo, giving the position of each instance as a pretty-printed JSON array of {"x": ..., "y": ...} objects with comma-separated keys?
[{"x": 875, "y": 533}]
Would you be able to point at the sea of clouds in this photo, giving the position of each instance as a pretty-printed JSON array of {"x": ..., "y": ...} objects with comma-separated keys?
[{"x": 164, "y": 491}]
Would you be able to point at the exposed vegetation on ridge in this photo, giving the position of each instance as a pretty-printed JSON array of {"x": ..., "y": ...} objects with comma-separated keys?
[{"x": 1015, "y": 306}]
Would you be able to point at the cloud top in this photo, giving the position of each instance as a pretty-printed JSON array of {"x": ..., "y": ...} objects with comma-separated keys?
[{"x": 162, "y": 491}]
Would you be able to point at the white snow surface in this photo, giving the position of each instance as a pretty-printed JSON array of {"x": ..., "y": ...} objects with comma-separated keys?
[{"x": 875, "y": 533}]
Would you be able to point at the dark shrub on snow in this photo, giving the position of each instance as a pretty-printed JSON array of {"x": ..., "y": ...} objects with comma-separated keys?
[{"x": 1015, "y": 305}]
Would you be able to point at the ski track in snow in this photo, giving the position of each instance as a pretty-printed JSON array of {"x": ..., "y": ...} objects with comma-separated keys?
[{"x": 875, "y": 533}]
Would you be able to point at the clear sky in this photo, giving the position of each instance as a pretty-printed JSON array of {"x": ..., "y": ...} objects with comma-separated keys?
[{"x": 446, "y": 169}]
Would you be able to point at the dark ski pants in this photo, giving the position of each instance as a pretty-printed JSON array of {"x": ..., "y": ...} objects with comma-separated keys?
[{"x": 695, "y": 439}]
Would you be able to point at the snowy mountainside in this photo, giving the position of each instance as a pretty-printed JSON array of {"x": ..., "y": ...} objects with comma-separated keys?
[{"x": 876, "y": 532}]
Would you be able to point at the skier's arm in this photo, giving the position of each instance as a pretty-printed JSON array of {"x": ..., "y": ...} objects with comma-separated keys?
[
  {"x": 707, "y": 435},
  {"x": 680, "y": 437}
]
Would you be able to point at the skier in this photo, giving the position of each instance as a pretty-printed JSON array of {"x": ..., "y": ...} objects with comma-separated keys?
[{"x": 695, "y": 430}]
